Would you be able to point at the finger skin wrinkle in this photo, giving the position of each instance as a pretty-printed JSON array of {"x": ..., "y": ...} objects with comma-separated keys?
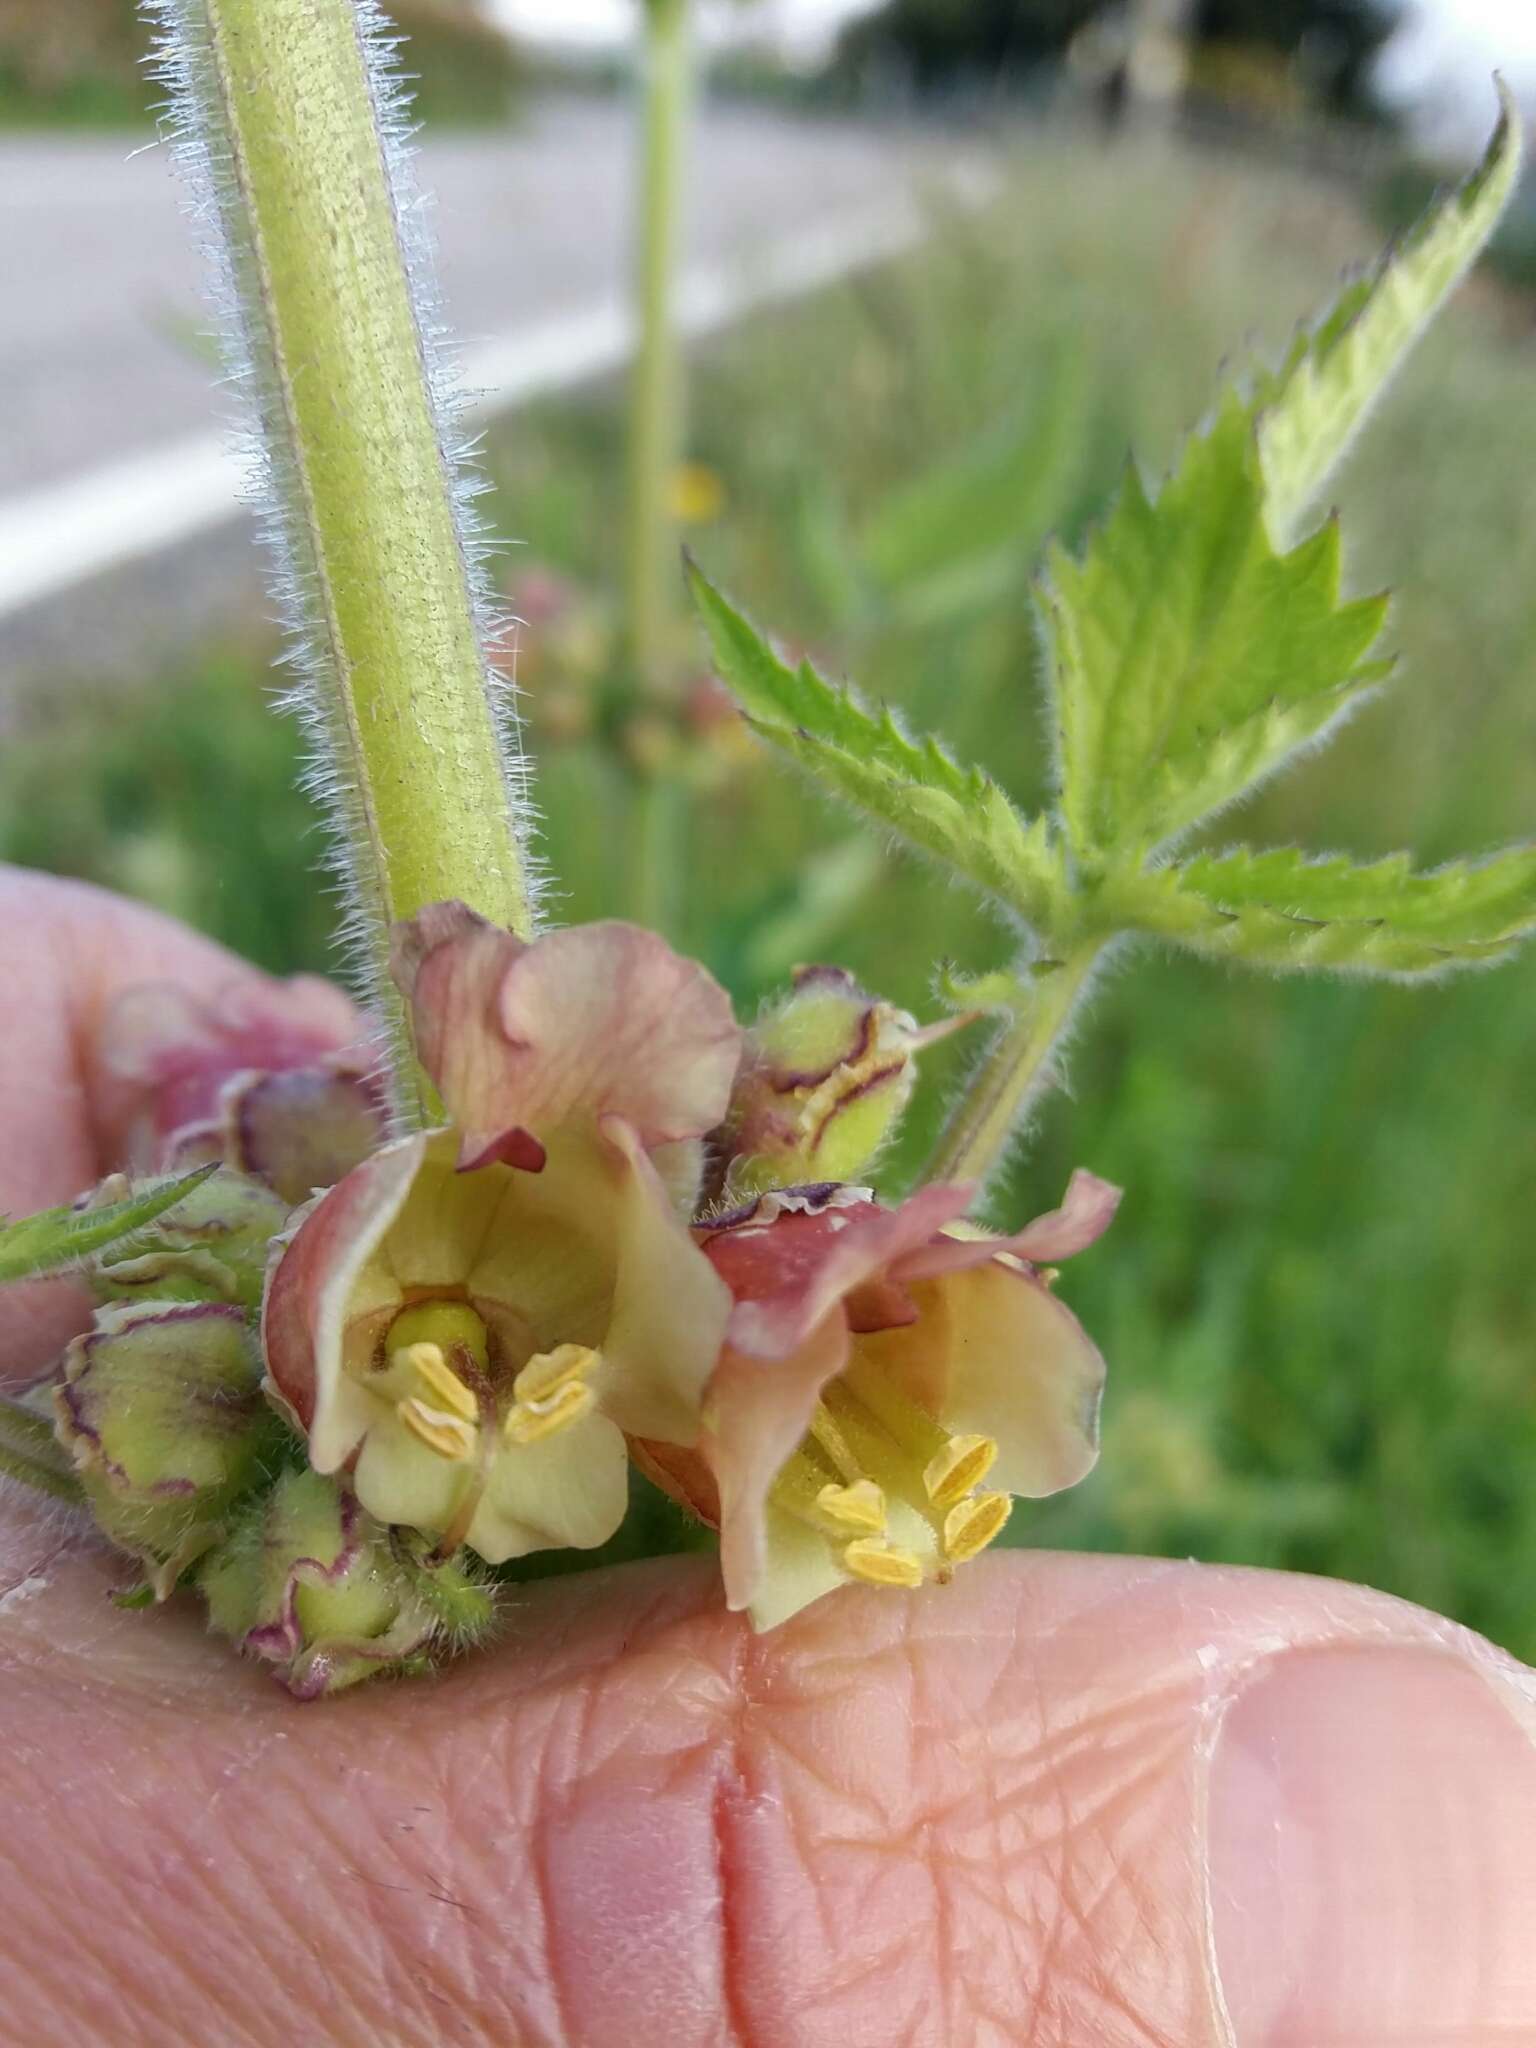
[{"x": 953, "y": 1821}]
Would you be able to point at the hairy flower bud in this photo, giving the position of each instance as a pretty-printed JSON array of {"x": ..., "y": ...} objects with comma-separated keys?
[
  {"x": 314, "y": 1587},
  {"x": 161, "y": 1409},
  {"x": 827, "y": 1073},
  {"x": 212, "y": 1246}
]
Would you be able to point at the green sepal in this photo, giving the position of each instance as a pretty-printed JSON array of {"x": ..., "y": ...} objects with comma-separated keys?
[
  {"x": 30, "y": 1454},
  {"x": 325, "y": 1596},
  {"x": 214, "y": 1247},
  {"x": 161, "y": 1410},
  {"x": 56, "y": 1239}
]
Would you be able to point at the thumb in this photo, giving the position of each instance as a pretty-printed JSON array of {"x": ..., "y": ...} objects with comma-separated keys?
[{"x": 1072, "y": 1802}]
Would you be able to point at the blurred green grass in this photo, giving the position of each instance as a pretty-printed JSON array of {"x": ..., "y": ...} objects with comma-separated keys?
[
  {"x": 1317, "y": 1303},
  {"x": 81, "y": 64}
]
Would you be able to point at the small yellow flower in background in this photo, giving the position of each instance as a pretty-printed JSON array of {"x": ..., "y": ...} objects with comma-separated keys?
[{"x": 696, "y": 495}]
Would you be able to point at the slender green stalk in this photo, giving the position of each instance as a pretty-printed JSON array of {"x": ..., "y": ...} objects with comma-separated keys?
[
  {"x": 29, "y": 1453},
  {"x": 292, "y": 121},
  {"x": 656, "y": 383},
  {"x": 1015, "y": 1067}
]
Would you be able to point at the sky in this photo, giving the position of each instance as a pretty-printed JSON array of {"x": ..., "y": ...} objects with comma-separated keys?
[{"x": 1447, "y": 45}]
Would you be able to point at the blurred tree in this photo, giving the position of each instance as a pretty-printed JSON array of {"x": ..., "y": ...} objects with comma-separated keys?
[{"x": 1330, "y": 45}]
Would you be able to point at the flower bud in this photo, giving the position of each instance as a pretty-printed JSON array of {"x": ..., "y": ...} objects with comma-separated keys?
[
  {"x": 161, "y": 1409},
  {"x": 827, "y": 1074},
  {"x": 212, "y": 1246},
  {"x": 274, "y": 1079},
  {"x": 314, "y": 1587}
]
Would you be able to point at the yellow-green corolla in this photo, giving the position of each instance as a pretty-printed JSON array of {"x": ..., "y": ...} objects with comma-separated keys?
[
  {"x": 888, "y": 1384},
  {"x": 471, "y": 1322}
]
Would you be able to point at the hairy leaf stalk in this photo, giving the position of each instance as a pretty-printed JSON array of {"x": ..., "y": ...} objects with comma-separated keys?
[
  {"x": 1011, "y": 1073},
  {"x": 292, "y": 128},
  {"x": 655, "y": 397}
]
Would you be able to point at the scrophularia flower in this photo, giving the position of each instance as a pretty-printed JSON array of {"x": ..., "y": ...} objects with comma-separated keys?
[
  {"x": 275, "y": 1079},
  {"x": 471, "y": 1322},
  {"x": 887, "y": 1385}
]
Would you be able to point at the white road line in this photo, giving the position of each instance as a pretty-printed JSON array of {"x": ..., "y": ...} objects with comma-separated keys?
[{"x": 58, "y": 536}]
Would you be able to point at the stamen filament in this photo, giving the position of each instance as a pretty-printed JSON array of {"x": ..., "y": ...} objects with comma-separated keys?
[
  {"x": 832, "y": 1441},
  {"x": 860, "y": 1507}
]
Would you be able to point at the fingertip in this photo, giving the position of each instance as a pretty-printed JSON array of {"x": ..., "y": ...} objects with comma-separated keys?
[{"x": 1372, "y": 1840}]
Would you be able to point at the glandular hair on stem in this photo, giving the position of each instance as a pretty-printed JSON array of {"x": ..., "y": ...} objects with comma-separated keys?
[{"x": 202, "y": 138}]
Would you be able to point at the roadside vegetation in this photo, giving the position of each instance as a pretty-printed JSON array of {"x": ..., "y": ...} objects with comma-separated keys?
[{"x": 80, "y": 63}]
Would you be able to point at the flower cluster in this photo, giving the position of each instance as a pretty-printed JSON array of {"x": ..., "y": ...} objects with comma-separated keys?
[
  {"x": 350, "y": 1376},
  {"x": 473, "y": 1321}
]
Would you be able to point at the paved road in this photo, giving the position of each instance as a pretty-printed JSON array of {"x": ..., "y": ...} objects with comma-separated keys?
[{"x": 100, "y": 307}]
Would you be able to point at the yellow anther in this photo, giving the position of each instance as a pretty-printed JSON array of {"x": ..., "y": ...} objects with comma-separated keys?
[
  {"x": 447, "y": 1435},
  {"x": 883, "y": 1564},
  {"x": 548, "y": 1371},
  {"x": 971, "y": 1526},
  {"x": 860, "y": 1507},
  {"x": 963, "y": 1463},
  {"x": 527, "y": 1424},
  {"x": 426, "y": 1364}
]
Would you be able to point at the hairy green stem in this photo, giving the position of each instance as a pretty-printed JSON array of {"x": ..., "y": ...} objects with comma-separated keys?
[
  {"x": 30, "y": 1454},
  {"x": 656, "y": 382},
  {"x": 1011, "y": 1073},
  {"x": 286, "y": 97}
]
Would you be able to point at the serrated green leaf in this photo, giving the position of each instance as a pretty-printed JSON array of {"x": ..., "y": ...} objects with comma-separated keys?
[
  {"x": 977, "y": 832},
  {"x": 56, "y": 1239},
  {"x": 774, "y": 695},
  {"x": 912, "y": 785},
  {"x": 1311, "y": 408},
  {"x": 1281, "y": 909},
  {"x": 1187, "y": 657}
]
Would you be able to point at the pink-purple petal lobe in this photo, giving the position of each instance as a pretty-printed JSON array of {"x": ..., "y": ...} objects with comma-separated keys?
[
  {"x": 311, "y": 1292},
  {"x": 176, "y": 1050},
  {"x": 1087, "y": 1210},
  {"x": 788, "y": 1274},
  {"x": 593, "y": 1020}
]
